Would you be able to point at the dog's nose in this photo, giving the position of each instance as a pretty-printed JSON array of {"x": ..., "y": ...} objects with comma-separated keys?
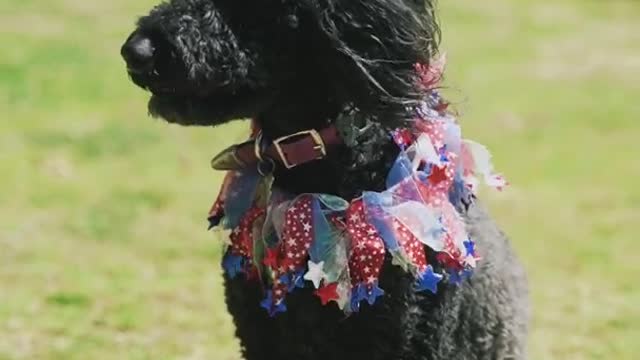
[{"x": 138, "y": 52}]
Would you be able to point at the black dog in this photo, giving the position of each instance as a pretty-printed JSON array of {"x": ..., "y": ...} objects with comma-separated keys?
[{"x": 294, "y": 65}]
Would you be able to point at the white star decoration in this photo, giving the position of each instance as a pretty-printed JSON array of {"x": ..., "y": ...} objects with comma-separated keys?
[{"x": 316, "y": 273}]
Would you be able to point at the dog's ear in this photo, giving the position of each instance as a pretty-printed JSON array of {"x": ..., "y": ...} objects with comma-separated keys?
[{"x": 370, "y": 47}]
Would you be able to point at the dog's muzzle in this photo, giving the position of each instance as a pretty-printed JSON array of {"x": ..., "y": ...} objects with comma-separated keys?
[{"x": 138, "y": 52}]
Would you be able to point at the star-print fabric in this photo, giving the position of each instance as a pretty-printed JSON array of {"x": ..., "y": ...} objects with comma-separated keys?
[{"x": 338, "y": 247}]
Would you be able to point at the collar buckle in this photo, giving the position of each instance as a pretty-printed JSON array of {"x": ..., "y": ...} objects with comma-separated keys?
[{"x": 319, "y": 147}]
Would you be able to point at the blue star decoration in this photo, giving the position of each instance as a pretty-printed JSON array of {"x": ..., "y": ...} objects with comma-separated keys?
[
  {"x": 374, "y": 293},
  {"x": 232, "y": 265},
  {"x": 443, "y": 154},
  {"x": 362, "y": 291},
  {"x": 470, "y": 246},
  {"x": 454, "y": 277},
  {"x": 285, "y": 280},
  {"x": 272, "y": 309},
  {"x": 358, "y": 293},
  {"x": 296, "y": 281},
  {"x": 293, "y": 280},
  {"x": 428, "y": 280}
]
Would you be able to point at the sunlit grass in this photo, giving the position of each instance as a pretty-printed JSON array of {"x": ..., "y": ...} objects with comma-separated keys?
[{"x": 103, "y": 245}]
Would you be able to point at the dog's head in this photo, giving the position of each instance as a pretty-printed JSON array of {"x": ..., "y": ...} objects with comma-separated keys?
[{"x": 210, "y": 61}]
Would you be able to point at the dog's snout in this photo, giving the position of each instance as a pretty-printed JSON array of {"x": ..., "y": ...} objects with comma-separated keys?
[{"x": 138, "y": 51}]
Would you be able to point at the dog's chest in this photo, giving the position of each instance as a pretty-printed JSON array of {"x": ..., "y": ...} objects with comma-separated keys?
[{"x": 308, "y": 331}]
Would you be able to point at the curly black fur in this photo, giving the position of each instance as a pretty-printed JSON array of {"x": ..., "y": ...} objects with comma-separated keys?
[{"x": 301, "y": 64}]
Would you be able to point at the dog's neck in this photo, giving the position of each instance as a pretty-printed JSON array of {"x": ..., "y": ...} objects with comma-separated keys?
[{"x": 346, "y": 171}]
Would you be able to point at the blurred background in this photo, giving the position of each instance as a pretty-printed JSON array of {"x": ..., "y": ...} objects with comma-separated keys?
[{"x": 104, "y": 252}]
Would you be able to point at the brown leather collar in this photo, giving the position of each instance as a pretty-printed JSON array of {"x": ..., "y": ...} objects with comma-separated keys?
[{"x": 288, "y": 151}]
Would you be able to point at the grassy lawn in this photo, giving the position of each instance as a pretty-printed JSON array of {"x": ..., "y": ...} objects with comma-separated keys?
[{"x": 103, "y": 248}]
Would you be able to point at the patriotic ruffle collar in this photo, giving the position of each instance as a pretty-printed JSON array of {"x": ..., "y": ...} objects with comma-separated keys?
[{"x": 338, "y": 246}]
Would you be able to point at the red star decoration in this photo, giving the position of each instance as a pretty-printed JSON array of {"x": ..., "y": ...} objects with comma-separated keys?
[
  {"x": 328, "y": 293},
  {"x": 271, "y": 258},
  {"x": 438, "y": 174}
]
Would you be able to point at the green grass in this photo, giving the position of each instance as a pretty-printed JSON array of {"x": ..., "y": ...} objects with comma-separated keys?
[{"x": 103, "y": 248}]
